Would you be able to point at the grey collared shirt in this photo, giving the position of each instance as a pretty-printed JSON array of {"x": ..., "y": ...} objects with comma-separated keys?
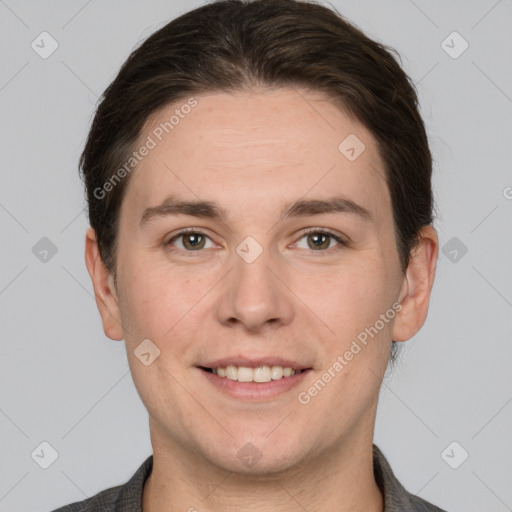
[{"x": 128, "y": 497}]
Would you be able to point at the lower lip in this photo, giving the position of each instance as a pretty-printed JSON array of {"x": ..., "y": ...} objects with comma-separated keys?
[{"x": 255, "y": 390}]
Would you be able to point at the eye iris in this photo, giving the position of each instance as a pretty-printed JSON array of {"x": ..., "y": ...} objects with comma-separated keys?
[
  {"x": 321, "y": 238},
  {"x": 196, "y": 239}
]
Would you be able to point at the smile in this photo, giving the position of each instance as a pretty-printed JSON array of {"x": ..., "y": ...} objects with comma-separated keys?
[
  {"x": 260, "y": 374},
  {"x": 254, "y": 384}
]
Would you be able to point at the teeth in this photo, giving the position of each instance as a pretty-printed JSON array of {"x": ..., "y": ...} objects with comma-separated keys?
[
  {"x": 231, "y": 372},
  {"x": 260, "y": 374},
  {"x": 277, "y": 372}
]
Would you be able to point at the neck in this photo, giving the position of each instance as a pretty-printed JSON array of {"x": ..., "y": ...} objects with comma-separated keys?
[{"x": 339, "y": 479}]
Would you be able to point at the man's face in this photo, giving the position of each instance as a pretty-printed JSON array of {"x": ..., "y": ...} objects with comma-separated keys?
[{"x": 253, "y": 288}]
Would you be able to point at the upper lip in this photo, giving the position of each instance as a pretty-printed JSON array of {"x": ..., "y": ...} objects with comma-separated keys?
[{"x": 255, "y": 362}]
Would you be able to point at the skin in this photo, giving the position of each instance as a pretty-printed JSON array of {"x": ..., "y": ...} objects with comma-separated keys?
[{"x": 253, "y": 152}]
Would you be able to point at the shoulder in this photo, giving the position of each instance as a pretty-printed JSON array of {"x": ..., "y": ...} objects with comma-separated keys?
[
  {"x": 121, "y": 498},
  {"x": 420, "y": 505},
  {"x": 396, "y": 497},
  {"x": 104, "y": 501}
]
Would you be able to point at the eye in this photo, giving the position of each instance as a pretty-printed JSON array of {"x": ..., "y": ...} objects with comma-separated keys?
[
  {"x": 318, "y": 240},
  {"x": 191, "y": 240}
]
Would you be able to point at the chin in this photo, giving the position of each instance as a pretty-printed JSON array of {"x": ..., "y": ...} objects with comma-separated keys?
[
  {"x": 264, "y": 456},
  {"x": 270, "y": 467}
]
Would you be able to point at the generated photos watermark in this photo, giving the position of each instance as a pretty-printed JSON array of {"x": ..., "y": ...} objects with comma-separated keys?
[
  {"x": 304, "y": 397},
  {"x": 150, "y": 143}
]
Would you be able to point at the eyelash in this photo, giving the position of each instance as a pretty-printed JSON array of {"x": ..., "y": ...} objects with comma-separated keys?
[{"x": 318, "y": 231}]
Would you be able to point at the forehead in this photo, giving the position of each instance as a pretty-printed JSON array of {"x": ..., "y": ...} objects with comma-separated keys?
[{"x": 286, "y": 143}]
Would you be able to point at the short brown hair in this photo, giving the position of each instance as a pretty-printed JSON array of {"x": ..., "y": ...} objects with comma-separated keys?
[{"x": 234, "y": 45}]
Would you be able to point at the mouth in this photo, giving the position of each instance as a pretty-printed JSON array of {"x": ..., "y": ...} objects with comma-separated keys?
[
  {"x": 255, "y": 383},
  {"x": 260, "y": 374}
]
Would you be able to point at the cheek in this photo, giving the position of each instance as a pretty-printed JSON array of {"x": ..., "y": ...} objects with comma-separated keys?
[
  {"x": 349, "y": 298},
  {"x": 159, "y": 302},
  {"x": 160, "y": 388},
  {"x": 351, "y": 303},
  {"x": 151, "y": 299},
  {"x": 159, "y": 305}
]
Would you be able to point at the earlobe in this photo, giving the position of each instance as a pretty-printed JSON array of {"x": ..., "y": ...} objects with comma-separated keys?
[
  {"x": 417, "y": 286},
  {"x": 104, "y": 288}
]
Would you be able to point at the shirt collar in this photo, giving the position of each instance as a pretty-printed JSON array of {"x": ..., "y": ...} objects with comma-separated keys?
[{"x": 396, "y": 497}]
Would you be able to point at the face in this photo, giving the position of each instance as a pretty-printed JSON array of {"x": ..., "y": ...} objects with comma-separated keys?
[{"x": 290, "y": 262}]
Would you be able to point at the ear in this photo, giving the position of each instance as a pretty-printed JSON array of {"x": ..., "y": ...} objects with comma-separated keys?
[
  {"x": 104, "y": 288},
  {"x": 417, "y": 285}
]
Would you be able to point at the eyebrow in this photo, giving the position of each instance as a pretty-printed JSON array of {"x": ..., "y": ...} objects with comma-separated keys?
[{"x": 211, "y": 210}]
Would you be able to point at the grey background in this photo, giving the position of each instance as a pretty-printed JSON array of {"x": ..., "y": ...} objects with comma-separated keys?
[{"x": 62, "y": 381}]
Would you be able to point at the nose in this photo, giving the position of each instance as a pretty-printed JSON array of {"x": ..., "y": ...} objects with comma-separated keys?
[{"x": 253, "y": 295}]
